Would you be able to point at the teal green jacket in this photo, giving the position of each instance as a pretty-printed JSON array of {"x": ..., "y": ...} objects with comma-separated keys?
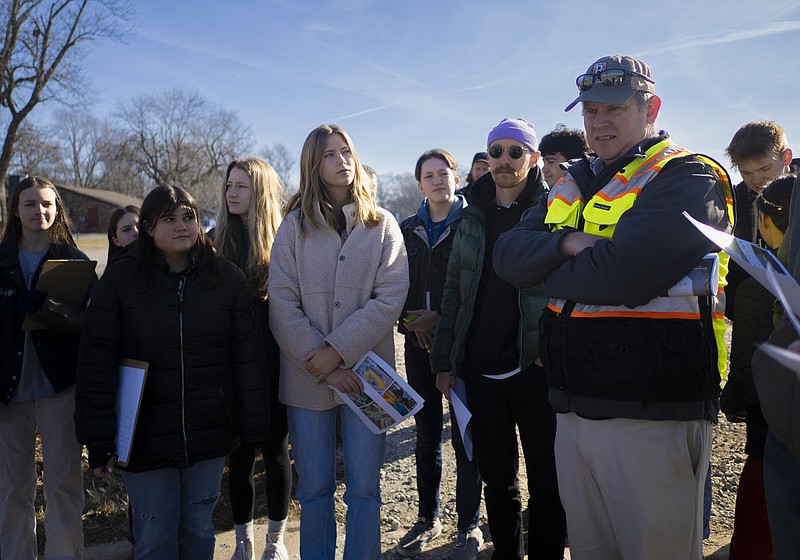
[{"x": 460, "y": 292}]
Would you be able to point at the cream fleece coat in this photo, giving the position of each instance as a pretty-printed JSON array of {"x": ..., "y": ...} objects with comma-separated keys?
[{"x": 346, "y": 295}]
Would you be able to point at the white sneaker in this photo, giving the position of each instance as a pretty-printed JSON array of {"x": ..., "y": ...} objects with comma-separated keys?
[
  {"x": 244, "y": 551},
  {"x": 275, "y": 550},
  {"x": 418, "y": 537},
  {"x": 468, "y": 543}
]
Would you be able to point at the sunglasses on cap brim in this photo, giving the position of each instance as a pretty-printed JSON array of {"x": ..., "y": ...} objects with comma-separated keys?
[{"x": 613, "y": 77}]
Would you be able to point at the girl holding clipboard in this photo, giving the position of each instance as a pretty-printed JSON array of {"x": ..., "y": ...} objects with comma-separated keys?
[
  {"x": 187, "y": 313},
  {"x": 37, "y": 381}
]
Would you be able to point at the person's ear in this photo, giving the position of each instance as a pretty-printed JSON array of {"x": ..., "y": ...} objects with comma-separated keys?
[
  {"x": 787, "y": 158},
  {"x": 535, "y": 158},
  {"x": 456, "y": 178},
  {"x": 653, "y": 108}
]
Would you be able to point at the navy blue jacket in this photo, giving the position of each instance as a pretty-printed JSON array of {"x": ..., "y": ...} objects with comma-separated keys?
[
  {"x": 57, "y": 351},
  {"x": 427, "y": 266}
]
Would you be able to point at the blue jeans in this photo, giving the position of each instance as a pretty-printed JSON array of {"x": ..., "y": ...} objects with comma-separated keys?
[
  {"x": 172, "y": 510},
  {"x": 428, "y": 451},
  {"x": 782, "y": 488},
  {"x": 708, "y": 493},
  {"x": 313, "y": 437}
]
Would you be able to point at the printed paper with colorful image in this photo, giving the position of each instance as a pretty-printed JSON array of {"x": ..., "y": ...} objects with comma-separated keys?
[{"x": 386, "y": 400}]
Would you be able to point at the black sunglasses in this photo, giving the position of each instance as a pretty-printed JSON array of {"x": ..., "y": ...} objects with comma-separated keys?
[
  {"x": 613, "y": 77},
  {"x": 514, "y": 152}
]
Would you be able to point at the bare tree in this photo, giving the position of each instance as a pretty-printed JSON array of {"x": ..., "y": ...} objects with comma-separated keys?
[
  {"x": 180, "y": 137},
  {"x": 80, "y": 137},
  {"x": 40, "y": 56},
  {"x": 33, "y": 154},
  {"x": 279, "y": 157},
  {"x": 119, "y": 167},
  {"x": 398, "y": 193}
]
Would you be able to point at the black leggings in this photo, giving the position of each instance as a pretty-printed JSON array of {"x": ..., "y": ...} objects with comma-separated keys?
[{"x": 275, "y": 451}]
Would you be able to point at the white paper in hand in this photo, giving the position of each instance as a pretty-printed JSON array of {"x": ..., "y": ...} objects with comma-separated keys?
[{"x": 458, "y": 398}]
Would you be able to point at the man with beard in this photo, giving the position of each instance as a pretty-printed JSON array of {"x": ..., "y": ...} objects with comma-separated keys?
[{"x": 487, "y": 335}]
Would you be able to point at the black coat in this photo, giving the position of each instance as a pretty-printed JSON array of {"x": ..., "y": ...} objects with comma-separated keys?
[
  {"x": 744, "y": 228},
  {"x": 427, "y": 266},
  {"x": 207, "y": 380},
  {"x": 57, "y": 351},
  {"x": 752, "y": 325}
]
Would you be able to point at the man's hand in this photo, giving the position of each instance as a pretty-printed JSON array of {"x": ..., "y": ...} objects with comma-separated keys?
[
  {"x": 345, "y": 380},
  {"x": 321, "y": 362},
  {"x": 444, "y": 382},
  {"x": 576, "y": 241},
  {"x": 423, "y": 326}
]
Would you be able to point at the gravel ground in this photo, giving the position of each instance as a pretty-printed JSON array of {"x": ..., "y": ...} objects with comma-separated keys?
[{"x": 400, "y": 494}]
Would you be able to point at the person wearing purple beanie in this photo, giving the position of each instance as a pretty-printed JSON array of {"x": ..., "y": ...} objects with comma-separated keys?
[{"x": 487, "y": 335}]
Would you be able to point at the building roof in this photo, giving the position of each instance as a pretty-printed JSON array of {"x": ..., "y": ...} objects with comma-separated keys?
[{"x": 109, "y": 197}]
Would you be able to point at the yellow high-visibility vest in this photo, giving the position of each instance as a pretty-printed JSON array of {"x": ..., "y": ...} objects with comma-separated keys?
[{"x": 600, "y": 215}]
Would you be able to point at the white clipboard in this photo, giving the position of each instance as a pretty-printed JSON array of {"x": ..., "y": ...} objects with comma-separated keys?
[{"x": 132, "y": 377}]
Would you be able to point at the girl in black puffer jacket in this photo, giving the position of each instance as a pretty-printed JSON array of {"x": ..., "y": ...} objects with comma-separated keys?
[{"x": 189, "y": 315}]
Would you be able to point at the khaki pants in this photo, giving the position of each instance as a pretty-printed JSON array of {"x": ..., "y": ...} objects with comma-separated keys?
[
  {"x": 63, "y": 481},
  {"x": 633, "y": 489}
]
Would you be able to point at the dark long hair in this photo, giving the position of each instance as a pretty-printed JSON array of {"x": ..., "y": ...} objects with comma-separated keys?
[
  {"x": 116, "y": 216},
  {"x": 165, "y": 199},
  {"x": 60, "y": 231},
  {"x": 774, "y": 201}
]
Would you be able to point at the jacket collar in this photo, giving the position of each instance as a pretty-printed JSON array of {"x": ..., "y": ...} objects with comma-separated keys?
[
  {"x": 455, "y": 211},
  {"x": 484, "y": 190}
]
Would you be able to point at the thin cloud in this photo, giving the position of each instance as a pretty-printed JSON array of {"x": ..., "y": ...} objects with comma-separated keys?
[
  {"x": 721, "y": 38},
  {"x": 315, "y": 27},
  {"x": 364, "y": 112},
  {"x": 177, "y": 42},
  {"x": 476, "y": 87}
]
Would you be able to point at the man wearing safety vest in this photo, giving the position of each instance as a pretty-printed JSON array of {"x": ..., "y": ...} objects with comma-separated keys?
[{"x": 634, "y": 374}]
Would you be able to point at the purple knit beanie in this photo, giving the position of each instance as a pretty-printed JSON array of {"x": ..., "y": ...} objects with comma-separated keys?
[{"x": 515, "y": 129}]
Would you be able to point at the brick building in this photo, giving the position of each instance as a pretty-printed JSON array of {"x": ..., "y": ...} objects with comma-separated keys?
[{"x": 90, "y": 209}]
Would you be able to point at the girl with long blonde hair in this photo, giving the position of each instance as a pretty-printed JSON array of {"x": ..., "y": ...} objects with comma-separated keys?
[
  {"x": 249, "y": 216},
  {"x": 338, "y": 281}
]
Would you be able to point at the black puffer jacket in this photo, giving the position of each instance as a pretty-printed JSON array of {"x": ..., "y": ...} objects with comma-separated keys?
[
  {"x": 207, "y": 380},
  {"x": 57, "y": 351},
  {"x": 752, "y": 325},
  {"x": 744, "y": 228}
]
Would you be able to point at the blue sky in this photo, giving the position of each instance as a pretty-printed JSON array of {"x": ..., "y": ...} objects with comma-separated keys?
[{"x": 403, "y": 76}]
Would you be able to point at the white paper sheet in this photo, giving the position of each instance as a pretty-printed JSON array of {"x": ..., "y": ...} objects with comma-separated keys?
[
  {"x": 458, "y": 398},
  {"x": 132, "y": 376}
]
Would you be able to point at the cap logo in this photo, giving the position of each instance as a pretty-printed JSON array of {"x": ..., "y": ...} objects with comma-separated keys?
[{"x": 599, "y": 67}]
